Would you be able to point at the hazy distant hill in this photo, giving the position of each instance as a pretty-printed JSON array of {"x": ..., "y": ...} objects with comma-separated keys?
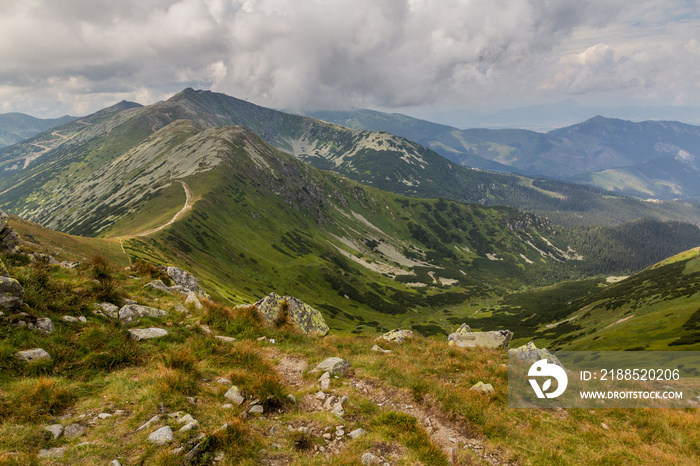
[
  {"x": 650, "y": 159},
  {"x": 16, "y": 127}
]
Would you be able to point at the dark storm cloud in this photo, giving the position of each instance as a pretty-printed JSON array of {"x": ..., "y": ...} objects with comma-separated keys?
[{"x": 74, "y": 56}]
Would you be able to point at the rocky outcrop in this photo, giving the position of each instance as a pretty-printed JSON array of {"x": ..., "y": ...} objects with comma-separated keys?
[
  {"x": 465, "y": 338},
  {"x": 307, "y": 319},
  {"x": 9, "y": 239}
]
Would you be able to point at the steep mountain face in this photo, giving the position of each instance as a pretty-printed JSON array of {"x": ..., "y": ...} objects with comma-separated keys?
[
  {"x": 16, "y": 127},
  {"x": 28, "y": 171},
  {"x": 651, "y": 159}
]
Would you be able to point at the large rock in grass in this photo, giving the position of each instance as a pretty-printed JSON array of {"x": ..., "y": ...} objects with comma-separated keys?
[
  {"x": 9, "y": 239},
  {"x": 397, "y": 335},
  {"x": 132, "y": 312},
  {"x": 146, "y": 333},
  {"x": 307, "y": 319},
  {"x": 186, "y": 280},
  {"x": 34, "y": 354},
  {"x": 334, "y": 366},
  {"x": 465, "y": 338},
  {"x": 529, "y": 353},
  {"x": 11, "y": 294}
]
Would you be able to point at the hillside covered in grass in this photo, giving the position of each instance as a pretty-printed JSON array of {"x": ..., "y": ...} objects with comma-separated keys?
[{"x": 108, "y": 394}]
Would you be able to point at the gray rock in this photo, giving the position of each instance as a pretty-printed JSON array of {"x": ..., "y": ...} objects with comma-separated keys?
[
  {"x": 256, "y": 409},
  {"x": 368, "y": 458},
  {"x": 356, "y": 433},
  {"x": 11, "y": 294},
  {"x": 70, "y": 319},
  {"x": 223, "y": 381},
  {"x": 146, "y": 333},
  {"x": 529, "y": 353},
  {"x": 73, "y": 430},
  {"x": 182, "y": 309},
  {"x": 161, "y": 436},
  {"x": 148, "y": 423},
  {"x": 132, "y": 312},
  {"x": 186, "y": 280},
  {"x": 43, "y": 325},
  {"x": 69, "y": 264},
  {"x": 291, "y": 398},
  {"x": 55, "y": 429},
  {"x": 108, "y": 309},
  {"x": 34, "y": 354},
  {"x": 379, "y": 349},
  {"x": 234, "y": 395},
  {"x": 320, "y": 396},
  {"x": 186, "y": 419},
  {"x": 115, "y": 463},
  {"x": 463, "y": 329},
  {"x": 493, "y": 340},
  {"x": 482, "y": 387},
  {"x": 192, "y": 299},
  {"x": 334, "y": 365},
  {"x": 305, "y": 318},
  {"x": 397, "y": 336},
  {"x": 225, "y": 339},
  {"x": 338, "y": 410},
  {"x": 9, "y": 239},
  {"x": 52, "y": 452},
  {"x": 325, "y": 384},
  {"x": 189, "y": 426},
  {"x": 158, "y": 285}
]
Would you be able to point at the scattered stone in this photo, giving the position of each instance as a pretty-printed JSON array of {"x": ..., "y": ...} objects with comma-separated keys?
[
  {"x": 328, "y": 404},
  {"x": 326, "y": 375},
  {"x": 11, "y": 294},
  {"x": 191, "y": 400},
  {"x": 256, "y": 409},
  {"x": 147, "y": 424},
  {"x": 396, "y": 335},
  {"x": 334, "y": 365},
  {"x": 115, "y": 463},
  {"x": 182, "y": 309},
  {"x": 73, "y": 430},
  {"x": 146, "y": 333},
  {"x": 305, "y": 318},
  {"x": 132, "y": 312},
  {"x": 161, "y": 436},
  {"x": 465, "y": 338},
  {"x": 70, "y": 319},
  {"x": 158, "y": 285},
  {"x": 82, "y": 319},
  {"x": 291, "y": 398},
  {"x": 55, "y": 429},
  {"x": 604, "y": 426},
  {"x": 225, "y": 339},
  {"x": 379, "y": 349},
  {"x": 223, "y": 381},
  {"x": 234, "y": 394},
  {"x": 320, "y": 396},
  {"x": 227, "y": 406},
  {"x": 52, "y": 452},
  {"x": 108, "y": 309},
  {"x": 43, "y": 325},
  {"x": 103, "y": 416},
  {"x": 338, "y": 410},
  {"x": 205, "y": 329},
  {"x": 357, "y": 433},
  {"x": 369, "y": 458},
  {"x": 189, "y": 426},
  {"x": 34, "y": 354},
  {"x": 530, "y": 354},
  {"x": 119, "y": 412},
  {"x": 482, "y": 387},
  {"x": 325, "y": 384},
  {"x": 187, "y": 281},
  {"x": 192, "y": 299},
  {"x": 186, "y": 419}
]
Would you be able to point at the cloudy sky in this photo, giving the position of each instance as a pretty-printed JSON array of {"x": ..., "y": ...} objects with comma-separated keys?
[{"x": 77, "y": 56}]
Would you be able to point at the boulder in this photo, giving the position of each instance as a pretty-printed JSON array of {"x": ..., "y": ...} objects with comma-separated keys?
[
  {"x": 158, "y": 285},
  {"x": 397, "y": 335},
  {"x": 43, "y": 325},
  {"x": 146, "y": 333},
  {"x": 305, "y": 318},
  {"x": 161, "y": 436},
  {"x": 529, "y": 353},
  {"x": 334, "y": 366},
  {"x": 11, "y": 294},
  {"x": 108, "y": 309},
  {"x": 9, "y": 239},
  {"x": 55, "y": 429},
  {"x": 187, "y": 281},
  {"x": 234, "y": 394},
  {"x": 34, "y": 354},
  {"x": 482, "y": 387},
  {"x": 465, "y": 338},
  {"x": 131, "y": 312}
]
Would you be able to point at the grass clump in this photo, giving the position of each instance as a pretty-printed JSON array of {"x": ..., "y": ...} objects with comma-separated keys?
[
  {"x": 405, "y": 428},
  {"x": 37, "y": 400}
]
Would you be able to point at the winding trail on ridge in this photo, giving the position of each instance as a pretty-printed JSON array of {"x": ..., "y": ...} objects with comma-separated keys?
[{"x": 177, "y": 216}]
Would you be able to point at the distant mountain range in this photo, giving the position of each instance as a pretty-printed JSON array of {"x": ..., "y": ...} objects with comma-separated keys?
[
  {"x": 650, "y": 159},
  {"x": 16, "y": 127}
]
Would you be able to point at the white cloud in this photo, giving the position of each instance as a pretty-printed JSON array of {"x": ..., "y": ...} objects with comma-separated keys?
[{"x": 72, "y": 56}]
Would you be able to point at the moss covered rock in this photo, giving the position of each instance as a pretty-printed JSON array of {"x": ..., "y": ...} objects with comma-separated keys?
[{"x": 278, "y": 310}]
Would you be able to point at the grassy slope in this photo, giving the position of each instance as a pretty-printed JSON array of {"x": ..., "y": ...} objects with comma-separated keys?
[{"x": 97, "y": 369}]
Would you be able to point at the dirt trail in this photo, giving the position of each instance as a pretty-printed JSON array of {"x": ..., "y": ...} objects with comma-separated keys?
[
  {"x": 177, "y": 216},
  {"x": 448, "y": 435}
]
